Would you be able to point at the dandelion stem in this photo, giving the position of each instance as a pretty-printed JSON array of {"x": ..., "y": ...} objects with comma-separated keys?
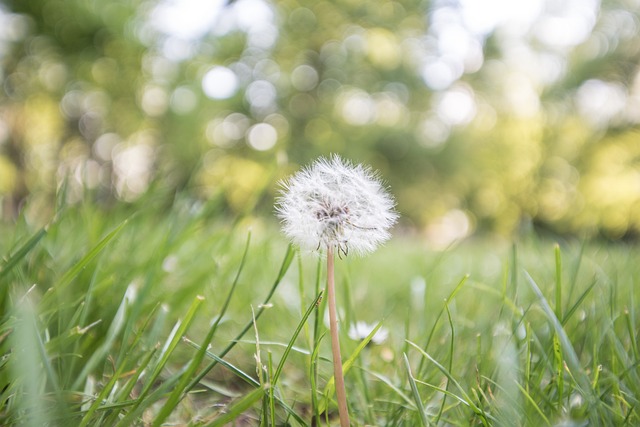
[{"x": 341, "y": 395}]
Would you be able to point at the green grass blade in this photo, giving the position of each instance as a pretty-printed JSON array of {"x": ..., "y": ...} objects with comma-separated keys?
[
  {"x": 558, "y": 282},
  {"x": 443, "y": 391},
  {"x": 102, "y": 396},
  {"x": 301, "y": 324},
  {"x": 578, "y": 302},
  {"x": 29, "y": 374},
  {"x": 533, "y": 403},
  {"x": 329, "y": 389},
  {"x": 558, "y": 364},
  {"x": 569, "y": 352},
  {"x": 172, "y": 342},
  {"x": 451, "y": 347},
  {"x": 576, "y": 270},
  {"x": 142, "y": 403},
  {"x": 389, "y": 383},
  {"x": 110, "y": 340},
  {"x": 288, "y": 258},
  {"x": 238, "y": 408},
  {"x": 435, "y": 323},
  {"x": 247, "y": 378},
  {"x": 174, "y": 338},
  {"x": 234, "y": 370},
  {"x": 313, "y": 376},
  {"x": 82, "y": 264},
  {"x": 416, "y": 393},
  {"x": 182, "y": 388},
  {"x": 18, "y": 255},
  {"x": 455, "y": 382},
  {"x": 271, "y": 398}
]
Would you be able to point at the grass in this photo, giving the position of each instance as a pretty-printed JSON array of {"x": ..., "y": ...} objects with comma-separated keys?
[{"x": 178, "y": 316}]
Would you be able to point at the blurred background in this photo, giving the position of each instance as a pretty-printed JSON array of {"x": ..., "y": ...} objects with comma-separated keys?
[{"x": 488, "y": 116}]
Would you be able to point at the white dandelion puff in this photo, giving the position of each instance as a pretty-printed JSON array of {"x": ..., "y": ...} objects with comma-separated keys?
[
  {"x": 339, "y": 206},
  {"x": 336, "y": 204}
]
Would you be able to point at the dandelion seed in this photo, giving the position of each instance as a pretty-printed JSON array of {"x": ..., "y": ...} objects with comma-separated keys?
[{"x": 336, "y": 204}]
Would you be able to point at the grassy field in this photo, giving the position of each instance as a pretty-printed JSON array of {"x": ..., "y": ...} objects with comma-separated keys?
[{"x": 174, "y": 316}]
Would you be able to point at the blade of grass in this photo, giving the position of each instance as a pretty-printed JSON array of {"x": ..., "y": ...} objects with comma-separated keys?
[
  {"x": 569, "y": 352},
  {"x": 247, "y": 378},
  {"x": 142, "y": 403},
  {"x": 238, "y": 408},
  {"x": 288, "y": 258},
  {"x": 313, "y": 374},
  {"x": 174, "y": 338},
  {"x": 450, "y": 367},
  {"x": 435, "y": 323},
  {"x": 111, "y": 337},
  {"x": 30, "y": 370},
  {"x": 272, "y": 382},
  {"x": 317, "y": 338},
  {"x": 172, "y": 342},
  {"x": 576, "y": 270},
  {"x": 416, "y": 393},
  {"x": 301, "y": 324},
  {"x": 85, "y": 308},
  {"x": 181, "y": 390},
  {"x": 533, "y": 403},
  {"x": 443, "y": 391},
  {"x": 558, "y": 282},
  {"x": 68, "y": 277},
  {"x": 18, "y": 255},
  {"x": 578, "y": 302},
  {"x": 455, "y": 382},
  {"x": 387, "y": 381},
  {"x": 102, "y": 396},
  {"x": 629, "y": 316},
  {"x": 329, "y": 388},
  {"x": 558, "y": 363},
  {"x": 99, "y": 403}
]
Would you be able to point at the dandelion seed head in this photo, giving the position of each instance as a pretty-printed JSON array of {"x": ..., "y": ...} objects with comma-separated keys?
[{"x": 334, "y": 203}]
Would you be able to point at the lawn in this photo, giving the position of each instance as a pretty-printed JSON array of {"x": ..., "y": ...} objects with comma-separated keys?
[{"x": 177, "y": 315}]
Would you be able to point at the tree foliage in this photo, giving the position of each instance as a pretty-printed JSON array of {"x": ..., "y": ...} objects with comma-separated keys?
[{"x": 478, "y": 119}]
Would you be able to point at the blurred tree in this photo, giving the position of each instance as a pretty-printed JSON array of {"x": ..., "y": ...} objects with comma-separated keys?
[{"x": 479, "y": 117}]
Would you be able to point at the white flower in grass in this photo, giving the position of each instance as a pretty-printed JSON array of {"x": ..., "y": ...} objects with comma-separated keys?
[
  {"x": 360, "y": 330},
  {"x": 336, "y": 204}
]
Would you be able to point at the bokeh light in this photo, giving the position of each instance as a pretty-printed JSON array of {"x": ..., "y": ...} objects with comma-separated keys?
[{"x": 220, "y": 83}]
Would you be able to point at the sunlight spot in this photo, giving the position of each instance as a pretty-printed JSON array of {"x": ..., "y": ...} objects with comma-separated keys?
[
  {"x": 451, "y": 227},
  {"x": 599, "y": 101},
  {"x": 154, "y": 100},
  {"x": 304, "y": 78},
  {"x": 262, "y": 96},
  {"x": 220, "y": 83},
  {"x": 356, "y": 107},
  {"x": 262, "y": 136},
  {"x": 186, "y": 19},
  {"x": 567, "y": 23},
  {"x": 457, "y": 106},
  {"x": 433, "y": 132},
  {"x": 439, "y": 73},
  {"x": 183, "y": 100}
]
